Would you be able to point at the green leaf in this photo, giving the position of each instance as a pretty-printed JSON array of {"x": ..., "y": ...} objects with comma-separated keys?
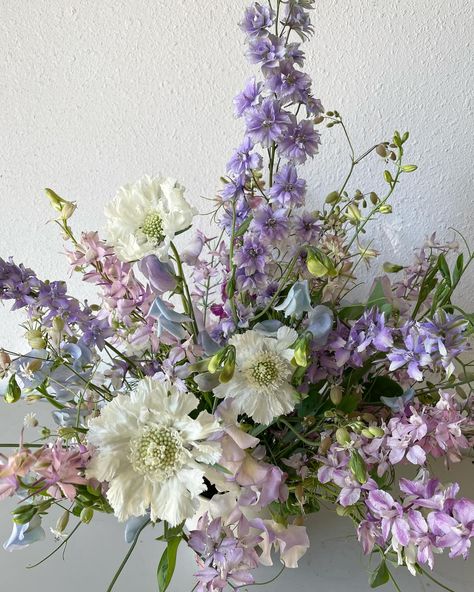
[
  {"x": 357, "y": 466},
  {"x": 167, "y": 564},
  {"x": 408, "y": 168},
  {"x": 350, "y": 313},
  {"x": 444, "y": 268},
  {"x": 380, "y": 576},
  {"x": 378, "y": 299},
  {"x": 13, "y": 392},
  {"x": 242, "y": 229},
  {"x": 458, "y": 269},
  {"x": 382, "y": 386}
]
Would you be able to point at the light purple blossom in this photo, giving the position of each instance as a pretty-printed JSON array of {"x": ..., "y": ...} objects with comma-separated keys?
[
  {"x": 257, "y": 20},
  {"x": 414, "y": 355},
  {"x": 244, "y": 160},
  {"x": 288, "y": 189},
  {"x": 267, "y": 122},
  {"x": 248, "y": 97},
  {"x": 271, "y": 224},
  {"x": 300, "y": 141},
  {"x": 267, "y": 51},
  {"x": 288, "y": 83}
]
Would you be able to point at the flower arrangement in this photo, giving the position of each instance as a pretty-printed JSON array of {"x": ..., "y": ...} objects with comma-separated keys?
[{"x": 223, "y": 391}]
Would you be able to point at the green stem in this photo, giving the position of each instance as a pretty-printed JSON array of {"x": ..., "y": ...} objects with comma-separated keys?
[
  {"x": 27, "y": 445},
  {"x": 185, "y": 294},
  {"x": 297, "y": 434},
  {"x": 127, "y": 557},
  {"x": 57, "y": 548}
]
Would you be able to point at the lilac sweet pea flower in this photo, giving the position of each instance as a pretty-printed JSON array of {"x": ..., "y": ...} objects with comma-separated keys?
[
  {"x": 160, "y": 275},
  {"x": 168, "y": 319},
  {"x": 320, "y": 321},
  {"x": 24, "y": 535},
  {"x": 297, "y": 301},
  {"x": 393, "y": 522},
  {"x": 454, "y": 530},
  {"x": 414, "y": 356}
]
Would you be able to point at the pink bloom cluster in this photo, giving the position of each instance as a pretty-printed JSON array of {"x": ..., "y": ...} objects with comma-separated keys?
[
  {"x": 427, "y": 519},
  {"x": 409, "y": 436},
  {"x": 54, "y": 469}
]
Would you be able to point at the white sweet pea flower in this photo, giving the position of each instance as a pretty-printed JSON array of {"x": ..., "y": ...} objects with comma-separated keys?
[
  {"x": 143, "y": 218},
  {"x": 152, "y": 454},
  {"x": 260, "y": 386}
]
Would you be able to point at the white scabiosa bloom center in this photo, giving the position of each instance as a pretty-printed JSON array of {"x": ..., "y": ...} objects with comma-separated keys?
[
  {"x": 158, "y": 451},
  {"x": 267, "y": 371},
  {"x": 153, "y": 227}
]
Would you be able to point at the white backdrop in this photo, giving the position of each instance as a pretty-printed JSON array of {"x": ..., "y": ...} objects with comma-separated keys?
[{"x": 94, "y": 94}]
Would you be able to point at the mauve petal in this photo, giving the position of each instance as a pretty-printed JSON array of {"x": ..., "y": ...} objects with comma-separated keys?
[
  {"x": 349, "y": 496},
  {"x": 379, "y": 502},
  {"x": 463, "y": 511},
  {"x": 416, "y": 455},
  {"x": 401, "y": 531}
]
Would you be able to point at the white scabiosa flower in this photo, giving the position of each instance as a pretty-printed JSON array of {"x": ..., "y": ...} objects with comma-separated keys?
[
  {"x": 144, "y": 218},
  {"x": 152, "y": 453},
  {"x": 260, "y": 386}
]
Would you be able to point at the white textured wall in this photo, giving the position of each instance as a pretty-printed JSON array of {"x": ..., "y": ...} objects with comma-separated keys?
[{"x": 94, "y": 94}]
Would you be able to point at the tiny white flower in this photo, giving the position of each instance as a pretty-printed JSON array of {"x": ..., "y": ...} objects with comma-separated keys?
[
  {"x": 30, "y": 420},
  {"x": 260, "y": 386},
  {"x": 152, "y": 454},
  {"x": 144, "y": 217}
]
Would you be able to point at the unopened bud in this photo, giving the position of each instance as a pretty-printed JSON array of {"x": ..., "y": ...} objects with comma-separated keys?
[
  {"x": 374, "y": 198},
  {"x": 385, "y": 209},
  {"x": 342, "y": 436},
  {"x": 62, "y": 522},
  {"x": 5, "y": 361},
  {"x": 325, "y": 445},
  {"x": 68, "y": 210},
  {"x": 392, "y": 267},
  {"x": 58, "y": 324},
  {"x": 86, "y": 515},
  {"x": 333, "y": 197},
  {"x": 353, "y": 213},
  {"x": 35, "y": 339},
  {"x": 335, "y": 394},
  {"x": 319, "y": 119},
  {"x": 376, "y": 431},
  {"x": 366, "y": 433}
]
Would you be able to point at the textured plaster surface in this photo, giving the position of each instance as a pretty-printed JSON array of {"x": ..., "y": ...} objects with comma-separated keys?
[{"x": 94, "y": 94}]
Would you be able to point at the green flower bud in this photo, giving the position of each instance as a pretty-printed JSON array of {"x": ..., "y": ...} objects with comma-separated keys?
[
  {"x": 86, "y": 515},
  {"x": 335, "y": 394},
  {"x": 62, "y": 522},
  {"x": 353, "y": 214},
  {"x": 392, "y": 267},
  {"x": 385, "y": 209},
  {"x": 342, "y": 436},
  {"x": 376, "y": 431},
  {"x": 374, "y": 198},
  {"x": 333, "y": 197},
  {"x": 35, "y": 340},
  {"x": 367, "y": 433},
  {"x": 228, "y": 371}
]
